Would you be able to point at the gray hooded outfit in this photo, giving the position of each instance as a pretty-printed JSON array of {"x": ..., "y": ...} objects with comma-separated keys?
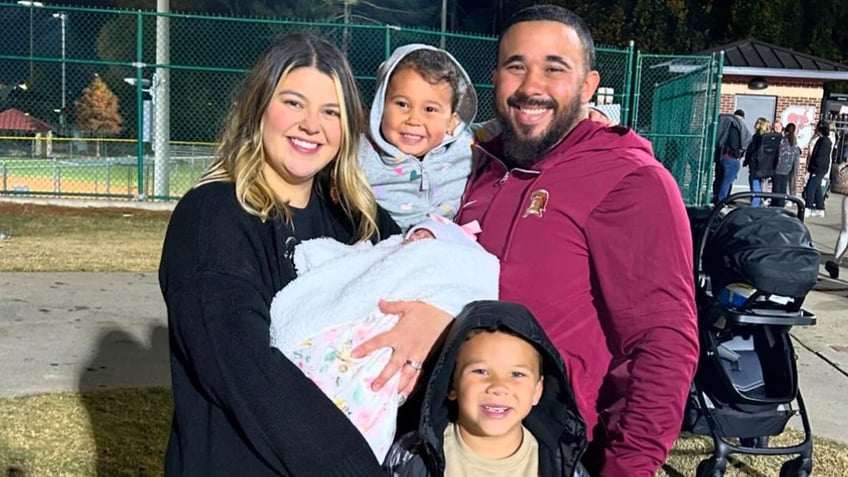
[{"x": 410, "y": 188}]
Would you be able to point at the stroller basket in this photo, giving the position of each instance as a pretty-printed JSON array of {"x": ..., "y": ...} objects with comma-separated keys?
[
  {"x": 748, "y": 364},
  {"x": 768, "y": 421}
]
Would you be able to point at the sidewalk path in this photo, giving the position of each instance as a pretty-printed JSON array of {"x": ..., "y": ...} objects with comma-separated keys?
[{"x": 70, "y": 331}]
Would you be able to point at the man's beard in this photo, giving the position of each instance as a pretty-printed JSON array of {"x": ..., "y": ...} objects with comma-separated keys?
[{"x": 523, "y": 150}]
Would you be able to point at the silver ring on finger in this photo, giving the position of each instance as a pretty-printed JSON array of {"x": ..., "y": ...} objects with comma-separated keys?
[{"x": 416, "y": 365}]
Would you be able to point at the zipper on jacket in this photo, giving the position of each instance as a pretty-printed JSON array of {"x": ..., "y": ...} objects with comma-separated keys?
[
  {"x": 503, "y": 179},
  {"x": 524, "y": 195}
]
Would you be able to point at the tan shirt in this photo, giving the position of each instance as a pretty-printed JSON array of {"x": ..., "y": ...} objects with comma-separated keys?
[{"x": 461, "y": 461}]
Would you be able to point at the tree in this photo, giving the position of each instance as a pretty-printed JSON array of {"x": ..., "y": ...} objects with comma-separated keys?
[{"x": 97, "y": 110}]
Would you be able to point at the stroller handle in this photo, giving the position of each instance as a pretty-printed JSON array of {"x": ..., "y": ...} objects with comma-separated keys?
[{"x": 731, "y": 200}]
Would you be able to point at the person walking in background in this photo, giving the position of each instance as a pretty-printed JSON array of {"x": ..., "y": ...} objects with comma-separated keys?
[
  {"x": 818, "y": 165},
  {"x": 761, "y": 157},
  {"x": 285, "y": 171},
  {"x": 792, "y": 177},
  {"x": 839, "y": 185},
  {"x": 831, "y": 126},
  {"x": 787, "y": 158},
  {"x": 732, "y": 139}
]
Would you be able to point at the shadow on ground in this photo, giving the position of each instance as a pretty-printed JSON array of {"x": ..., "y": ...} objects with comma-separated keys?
[{"x": 129, "y": 434}]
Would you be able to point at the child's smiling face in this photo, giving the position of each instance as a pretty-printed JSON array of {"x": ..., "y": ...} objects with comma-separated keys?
[
  {"x": 417, "y": 114},
  {"x": 496, "y": 383}
]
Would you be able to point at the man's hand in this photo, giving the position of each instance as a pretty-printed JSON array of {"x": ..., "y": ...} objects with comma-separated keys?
[{"x": 418, "y": 327}]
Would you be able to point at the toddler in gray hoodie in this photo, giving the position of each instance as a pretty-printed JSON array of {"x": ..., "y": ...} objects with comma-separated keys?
[{"x": 418, "y": 154}]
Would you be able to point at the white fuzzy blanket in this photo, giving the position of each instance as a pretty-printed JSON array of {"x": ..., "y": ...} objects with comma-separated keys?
[{"x": 339, "y": 283}]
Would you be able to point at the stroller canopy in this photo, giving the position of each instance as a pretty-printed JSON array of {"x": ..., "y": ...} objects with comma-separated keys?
[{"x": 764, "y": 247}]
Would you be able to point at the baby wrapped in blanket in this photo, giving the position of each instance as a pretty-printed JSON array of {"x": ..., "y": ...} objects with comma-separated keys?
[{"x": 331, "y": 308}]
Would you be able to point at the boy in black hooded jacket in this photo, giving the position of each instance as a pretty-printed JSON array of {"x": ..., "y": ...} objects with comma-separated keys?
[{"x": 483, "y": 352}]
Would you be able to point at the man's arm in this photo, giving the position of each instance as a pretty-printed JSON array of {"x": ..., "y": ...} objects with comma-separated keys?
[{"x": 641, "y": 248}]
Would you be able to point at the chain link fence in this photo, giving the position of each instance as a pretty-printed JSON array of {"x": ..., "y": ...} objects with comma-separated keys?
[
  {"x": 59, "y": 62},
  {"x": 676, "y": 108}
]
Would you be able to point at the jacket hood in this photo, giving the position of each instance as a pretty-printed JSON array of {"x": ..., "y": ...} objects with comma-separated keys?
[
  {"x": 554, "y": 422},
  {"x": 466, "y": 108},
  {"x": 587, "y": 137}
]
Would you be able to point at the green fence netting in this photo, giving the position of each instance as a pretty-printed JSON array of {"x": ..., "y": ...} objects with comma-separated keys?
[
  {"x": 156, "y": 148},
  {"x": 676, "y": 100}
]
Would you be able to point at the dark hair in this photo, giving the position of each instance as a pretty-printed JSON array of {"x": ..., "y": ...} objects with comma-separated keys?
[
  {"x": 739, "y": 113},
  {"x": 789, "y": 132},
  {"x": 555, "y": 13},
  {"x": 435, "y": 66},
  {"x": 823, "y": 127}
]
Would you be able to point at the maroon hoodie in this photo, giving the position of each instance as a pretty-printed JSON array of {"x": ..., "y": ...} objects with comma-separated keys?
[{"x": 594, "y": 240}]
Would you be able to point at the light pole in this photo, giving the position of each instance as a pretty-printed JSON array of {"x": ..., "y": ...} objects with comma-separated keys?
[
  {"x": 63, "y": 17},
  {"x": 32, "y": 6}
]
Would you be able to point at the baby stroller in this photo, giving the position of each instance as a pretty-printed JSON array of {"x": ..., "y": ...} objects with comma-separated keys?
[{"x": 753, "y": 269}]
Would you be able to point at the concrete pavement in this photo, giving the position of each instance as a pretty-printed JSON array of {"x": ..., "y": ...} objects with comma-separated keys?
[
  {"x": 70, "y": 331},
  {"x": 823, "y": 349}
]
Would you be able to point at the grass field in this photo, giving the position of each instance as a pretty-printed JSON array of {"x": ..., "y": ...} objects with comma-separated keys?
[
  {"x": 106, "y": 433},
  {"x": 47, "y": 238}
]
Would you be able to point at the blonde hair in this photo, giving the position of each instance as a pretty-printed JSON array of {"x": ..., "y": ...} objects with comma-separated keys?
[
  {"x": 240, "y": 156},
  {"x": 762, "y": 126}
]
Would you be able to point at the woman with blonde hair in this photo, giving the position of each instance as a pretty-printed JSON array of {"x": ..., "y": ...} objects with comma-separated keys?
[
  {"x": 761, "y": 156},
  {"x": 285, "y": 171}
]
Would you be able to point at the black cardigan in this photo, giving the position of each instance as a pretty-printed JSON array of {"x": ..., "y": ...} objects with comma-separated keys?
[{"x": 241, "y": 408}]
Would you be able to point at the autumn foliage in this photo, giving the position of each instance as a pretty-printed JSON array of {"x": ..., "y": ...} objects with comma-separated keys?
[{"x": 97, "y": 109}]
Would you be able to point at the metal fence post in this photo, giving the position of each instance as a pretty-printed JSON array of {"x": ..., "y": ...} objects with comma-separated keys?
[
  {"x": 139, "y": 65},
  {"x": 108, "y": 176},
  {"x": 57, "y": 180},
  {"x": 628, "y": 85},
  {"x": 388, "y": 41}
]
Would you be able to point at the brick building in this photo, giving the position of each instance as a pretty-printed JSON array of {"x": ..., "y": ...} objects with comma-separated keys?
[{"x": 773, "y": 82}]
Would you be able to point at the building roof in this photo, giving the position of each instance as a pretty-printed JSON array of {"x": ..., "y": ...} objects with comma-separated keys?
[
  {"x": 15, "y": 120},
  {"x": 758, "y": 58}
]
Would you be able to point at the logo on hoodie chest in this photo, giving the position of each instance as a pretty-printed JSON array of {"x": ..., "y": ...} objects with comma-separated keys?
[{"x": 538, "y": 203}]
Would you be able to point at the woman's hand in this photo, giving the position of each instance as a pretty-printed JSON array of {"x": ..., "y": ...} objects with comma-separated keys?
[{"x": 419, "y": 326}]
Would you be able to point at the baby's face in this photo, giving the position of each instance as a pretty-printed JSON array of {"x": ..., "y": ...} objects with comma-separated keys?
[
  {"x": 420, "y": 234},
  {"x": 417, "y": 114}
]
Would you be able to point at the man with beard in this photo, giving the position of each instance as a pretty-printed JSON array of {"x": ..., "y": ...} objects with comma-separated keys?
[{"x": 593, "y": 238}]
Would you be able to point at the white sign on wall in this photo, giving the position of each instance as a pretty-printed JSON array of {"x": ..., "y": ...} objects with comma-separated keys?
[{"x": 804, "y": 118}]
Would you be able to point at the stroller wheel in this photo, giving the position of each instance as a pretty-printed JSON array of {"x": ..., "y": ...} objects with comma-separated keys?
[
  {"x": 755, "y": 442},
  {"x": 711, "y": 468},
  {"x": 797, "y": 467}
]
